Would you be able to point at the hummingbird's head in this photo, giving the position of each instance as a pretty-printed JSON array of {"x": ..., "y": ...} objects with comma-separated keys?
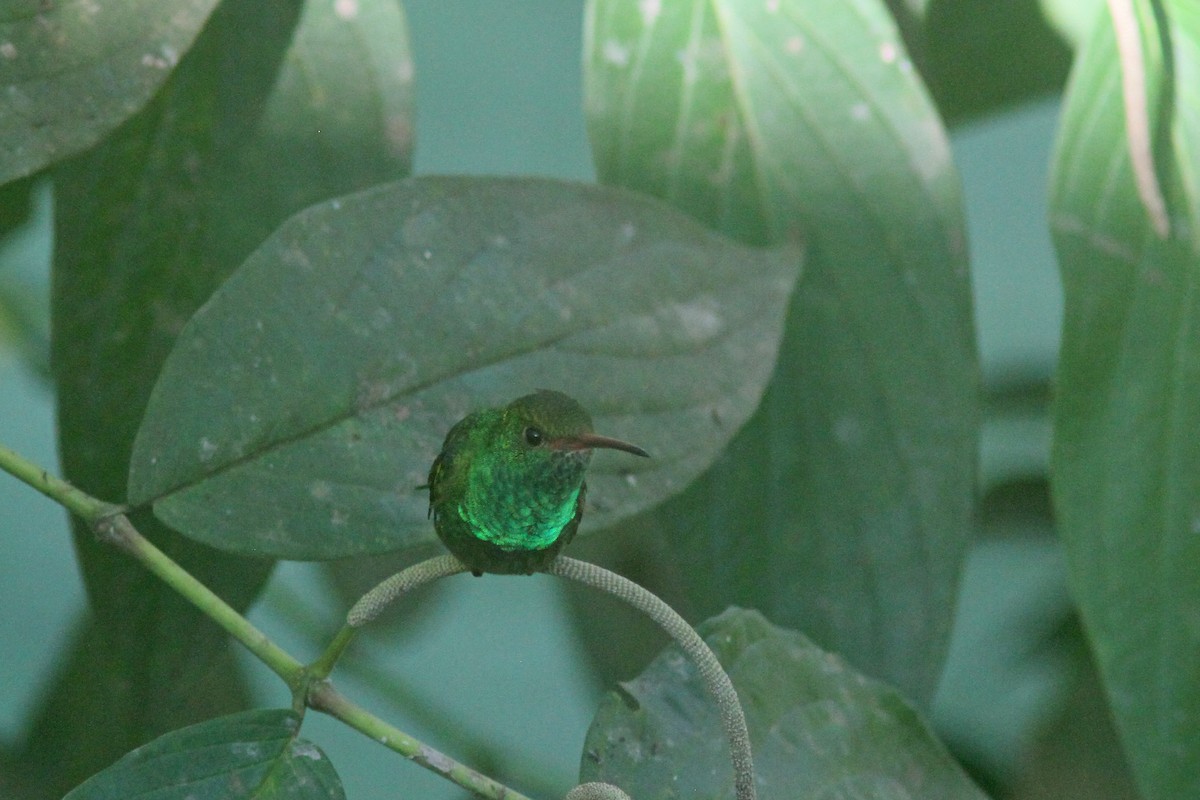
[{"x": 551, "y": 435}]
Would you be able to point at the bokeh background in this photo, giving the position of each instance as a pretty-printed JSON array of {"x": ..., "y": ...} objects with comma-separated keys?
[{"x": 495, "y": 671}]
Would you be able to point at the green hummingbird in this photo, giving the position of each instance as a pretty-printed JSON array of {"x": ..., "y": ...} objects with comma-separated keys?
[{"x": 506, "y": 493}]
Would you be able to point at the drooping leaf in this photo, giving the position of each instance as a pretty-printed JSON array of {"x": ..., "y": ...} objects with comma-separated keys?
[
  {"x": 303, "y": 405},
  {"x": 817, "y": 727},
  {"x": 254, "y": 755},
  {"x": 254, "y": 124},
  {"x": 72, "y": 72},
  {"x": 1126, "y": 457},
  {"x": 845, "y": 504}
]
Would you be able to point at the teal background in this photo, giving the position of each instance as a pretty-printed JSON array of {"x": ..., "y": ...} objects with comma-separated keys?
[{"x": 499, "y": 92}]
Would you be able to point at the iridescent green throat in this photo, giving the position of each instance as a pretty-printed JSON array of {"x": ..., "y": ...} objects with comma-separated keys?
[{"x": 522, "y": 509}]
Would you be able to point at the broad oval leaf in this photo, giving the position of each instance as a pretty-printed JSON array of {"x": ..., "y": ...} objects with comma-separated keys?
[
  {"x": 254, "y": 755},
  {"x": 845, "y": 504},
  {"x": 817, "y": 727},
  {"x": 71, "y": 72},
  {"x": 303, "y": 404},
  {"x": 1125, "y": 465}
]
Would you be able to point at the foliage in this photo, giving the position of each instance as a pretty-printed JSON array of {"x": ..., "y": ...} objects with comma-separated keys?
[{"x": 262, "y": 328}]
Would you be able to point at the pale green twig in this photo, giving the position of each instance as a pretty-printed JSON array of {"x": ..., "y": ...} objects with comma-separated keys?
[
  {"x": 323, "y": 697},
  {"x": 75, "y": 501},
  {"x": 307, "y": 684}
]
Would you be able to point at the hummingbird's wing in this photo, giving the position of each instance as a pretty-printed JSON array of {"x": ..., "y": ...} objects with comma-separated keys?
[
  {"x": 436, "y": 475},
  {"x": 446, "y": 467}
]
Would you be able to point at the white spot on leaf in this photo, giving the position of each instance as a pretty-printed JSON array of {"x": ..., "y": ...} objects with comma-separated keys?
[
  {"x": 650, "y": 11},
  {"x": 306, "y": 750},
  {"x": 346, "y": 9},
  {"x": 615, "y": 53},
  {"x": 208, "y": 449}
]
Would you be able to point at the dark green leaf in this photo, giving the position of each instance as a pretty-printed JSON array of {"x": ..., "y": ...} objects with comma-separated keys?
[
  {"x": 980, "y": 56},
  {"x": 24, "y": 311},
  {"x": 1126, "y": 456},
  {"x": 254, "y": 755},
  {"x": 86, "y": 712},
  {"x": 817, "y": 727},
  {"x": 71, "y": 72},
  {"x": 305, "y": 402},
  {"x": 845, "y": 503},
  {"x": 252, "y": 126}
]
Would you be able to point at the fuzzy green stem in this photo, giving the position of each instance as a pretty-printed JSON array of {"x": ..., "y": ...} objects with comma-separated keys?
[
  {"x": 324, "y": 698},
  {"x": 596, "y": 791},
  {"x": 732, "y": 718},
  {"x": 372, "y": 604},
  {"x": 118, "y": 530},
  {"x": 74, "y": 500}
]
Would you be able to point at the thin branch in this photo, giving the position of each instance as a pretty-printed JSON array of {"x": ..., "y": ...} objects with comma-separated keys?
[
  {"x": 74, "y": 500},
  {"x": 307, "y": 683},
  {"x": 326, "y": 699}
]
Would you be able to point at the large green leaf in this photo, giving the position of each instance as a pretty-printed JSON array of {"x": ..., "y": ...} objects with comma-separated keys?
[
  {"x": 254, "y": 755},
  {"x": 845, "y": 504},
  {"x": 254, "y": 124},
  {"x": 304, "y": 403},
  {"x": 70, "y": 72},
  {"x": 817, "y": 727},
  {"x": 1126, "y": 456}
]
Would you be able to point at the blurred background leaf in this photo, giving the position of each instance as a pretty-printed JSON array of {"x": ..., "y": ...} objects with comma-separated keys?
[
  {"x": 72, "y": 72},
  {"x": 818, "y": 728},
  {"x": 978, "y": 56},
  {"x": 1126, "y": 461},
  {"x": 253, "y": 125},
  {"x": 24, "y": 318},
  {"x": 844, "y": 506}
]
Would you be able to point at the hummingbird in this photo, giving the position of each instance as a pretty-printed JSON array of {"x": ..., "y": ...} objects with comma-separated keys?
[{"x": 506, "y": 492}]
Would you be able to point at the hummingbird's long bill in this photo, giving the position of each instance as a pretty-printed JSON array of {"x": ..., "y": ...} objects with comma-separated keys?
[{"x": 591, "y": 440}]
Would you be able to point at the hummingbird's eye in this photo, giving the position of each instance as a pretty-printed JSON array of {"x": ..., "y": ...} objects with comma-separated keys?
[{"x": 534, "y": 435}]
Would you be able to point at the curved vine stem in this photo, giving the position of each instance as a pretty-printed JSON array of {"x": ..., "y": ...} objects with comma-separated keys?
[{"x": 733, "y": 720}]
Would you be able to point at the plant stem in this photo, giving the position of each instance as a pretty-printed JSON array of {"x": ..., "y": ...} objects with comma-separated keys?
[
  {"x": 326, "y": 699},
  {"x": 308, "y": 684},
  {"x": 715, "y": 678},
  {"x": 320, "y": 669},
  {"x": 119, "y": 531},
  {"x": 75, "y": 501}
]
